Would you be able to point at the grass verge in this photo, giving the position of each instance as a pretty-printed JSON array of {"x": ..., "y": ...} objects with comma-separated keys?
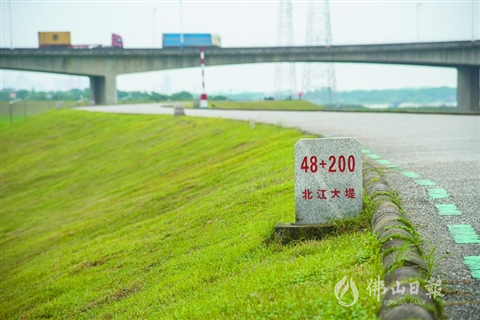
[
  {"x": 106, "y": 216},
  {"x": 266, "y": 105}
]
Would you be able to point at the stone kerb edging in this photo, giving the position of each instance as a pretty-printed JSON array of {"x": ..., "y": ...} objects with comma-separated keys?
[{"x": 402, "y": 257}]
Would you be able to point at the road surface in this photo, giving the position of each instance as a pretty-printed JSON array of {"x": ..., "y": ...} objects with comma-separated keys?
[{"x": 438, "y": 179}]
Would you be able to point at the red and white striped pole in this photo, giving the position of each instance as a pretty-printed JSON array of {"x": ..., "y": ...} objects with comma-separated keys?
[{"x": 203, "y": 97}]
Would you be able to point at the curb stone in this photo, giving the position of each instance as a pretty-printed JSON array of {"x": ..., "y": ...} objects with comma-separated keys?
[{"x": 402, "y": 258}]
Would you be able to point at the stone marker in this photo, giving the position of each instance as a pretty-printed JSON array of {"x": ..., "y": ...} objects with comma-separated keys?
[
  {"x": 328, "y": 187},
  {"x": 178, "y": 110},
  {"x": 328, "y": 180},
  {"x": 196, "y": 103}
]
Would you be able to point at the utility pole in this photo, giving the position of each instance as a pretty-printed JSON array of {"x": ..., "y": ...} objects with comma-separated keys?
[
  {"x": 319, "y": 75},
  {"x": 285, "y": 78},
  {"x": 11, "y": 27}
]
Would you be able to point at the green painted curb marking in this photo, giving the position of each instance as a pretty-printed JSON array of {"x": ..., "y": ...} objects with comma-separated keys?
[
  {"x": 438, "y": 193},
  {"x": 473, "y": 262},
  {"x": 374, "y": 156},
  {"x": 365, "y": 151},
  {"x": 383, "y": 161},
  {"x": 425, "y": 182},
  {"x": 394, "y": 167},
  {"x": 411, "y": 174},
  {"x": 448, "y": 210},
  {"x": 463, "y": 233}
]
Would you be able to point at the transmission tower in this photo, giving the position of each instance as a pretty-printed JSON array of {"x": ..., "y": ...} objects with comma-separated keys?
[
  {"x": 285, "y": 78},
  {"x": 318, "y": 76}
]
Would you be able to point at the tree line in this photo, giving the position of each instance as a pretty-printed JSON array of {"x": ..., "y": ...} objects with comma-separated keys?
[
  {"x": 420, "y": 95},
  {"x": 79, "y": 94},
  {"x": 392, "y": 96}
]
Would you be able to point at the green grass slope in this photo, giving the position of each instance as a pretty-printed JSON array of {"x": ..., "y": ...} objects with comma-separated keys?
[{"x": 136, "y": 216}]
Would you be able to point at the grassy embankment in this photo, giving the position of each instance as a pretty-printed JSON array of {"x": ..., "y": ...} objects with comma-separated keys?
[
  {"x": 186, "y": 104},
  {"x": 106, "y": 216},
  {"x": 265, "y": 105}
]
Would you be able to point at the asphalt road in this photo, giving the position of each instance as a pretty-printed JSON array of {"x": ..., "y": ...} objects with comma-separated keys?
[{"x": 434, "y": 152}]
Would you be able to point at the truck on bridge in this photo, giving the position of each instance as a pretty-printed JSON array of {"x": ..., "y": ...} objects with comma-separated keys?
[
  {"x": 62, "y": 40},
  {"x": 179, "y": 40}
]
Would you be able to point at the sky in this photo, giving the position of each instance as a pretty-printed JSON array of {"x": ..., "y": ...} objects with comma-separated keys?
[{"x": 240, "y": 24}]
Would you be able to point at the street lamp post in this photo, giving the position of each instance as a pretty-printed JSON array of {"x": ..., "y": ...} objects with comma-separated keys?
[
  {"x": 10, "y": 104},
  {"x": 473, "y": 21},
  {"x": 181, "y": 24},
  {"x": 418, "y": 21},
  {"x": 154, "y": 34},
  {"x": 25, "y": 107}
]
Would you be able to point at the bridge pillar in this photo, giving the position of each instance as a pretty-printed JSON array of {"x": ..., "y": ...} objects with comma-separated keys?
[
  {"x": 103, "y": 90},
  {"x": 468, "y": 89}
]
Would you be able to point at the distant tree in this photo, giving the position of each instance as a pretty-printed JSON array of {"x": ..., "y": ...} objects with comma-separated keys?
[
  {"x": 122, "y": 94},
  {"x": 22, "y": 94},
  {"x": 4, "y": 95},
  {"x": 218, "y": 98},
  {"x": 320, "y": 96},
  {"x": 158, "y": 96},
  {"x": 181, "y": 96},
  {"x": 246, "y": 96},
  {"x": 85, "y": 94},
  {"x": 41, "y": 95}
]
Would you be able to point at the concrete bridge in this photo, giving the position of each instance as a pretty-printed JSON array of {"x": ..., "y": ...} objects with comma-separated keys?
[{"x": 103, "y": 65}]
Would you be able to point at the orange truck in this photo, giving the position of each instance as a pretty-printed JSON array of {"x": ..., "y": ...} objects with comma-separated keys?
[
  {"x": 54, "y": 39},
  {"x": 62, "y": 40}
]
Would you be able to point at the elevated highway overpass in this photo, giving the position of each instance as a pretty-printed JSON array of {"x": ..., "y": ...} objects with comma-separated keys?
[{"x": 103, "y": 65}]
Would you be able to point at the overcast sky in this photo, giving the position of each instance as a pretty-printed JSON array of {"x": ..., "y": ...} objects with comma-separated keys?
[{"x": 240, "y": 24}]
